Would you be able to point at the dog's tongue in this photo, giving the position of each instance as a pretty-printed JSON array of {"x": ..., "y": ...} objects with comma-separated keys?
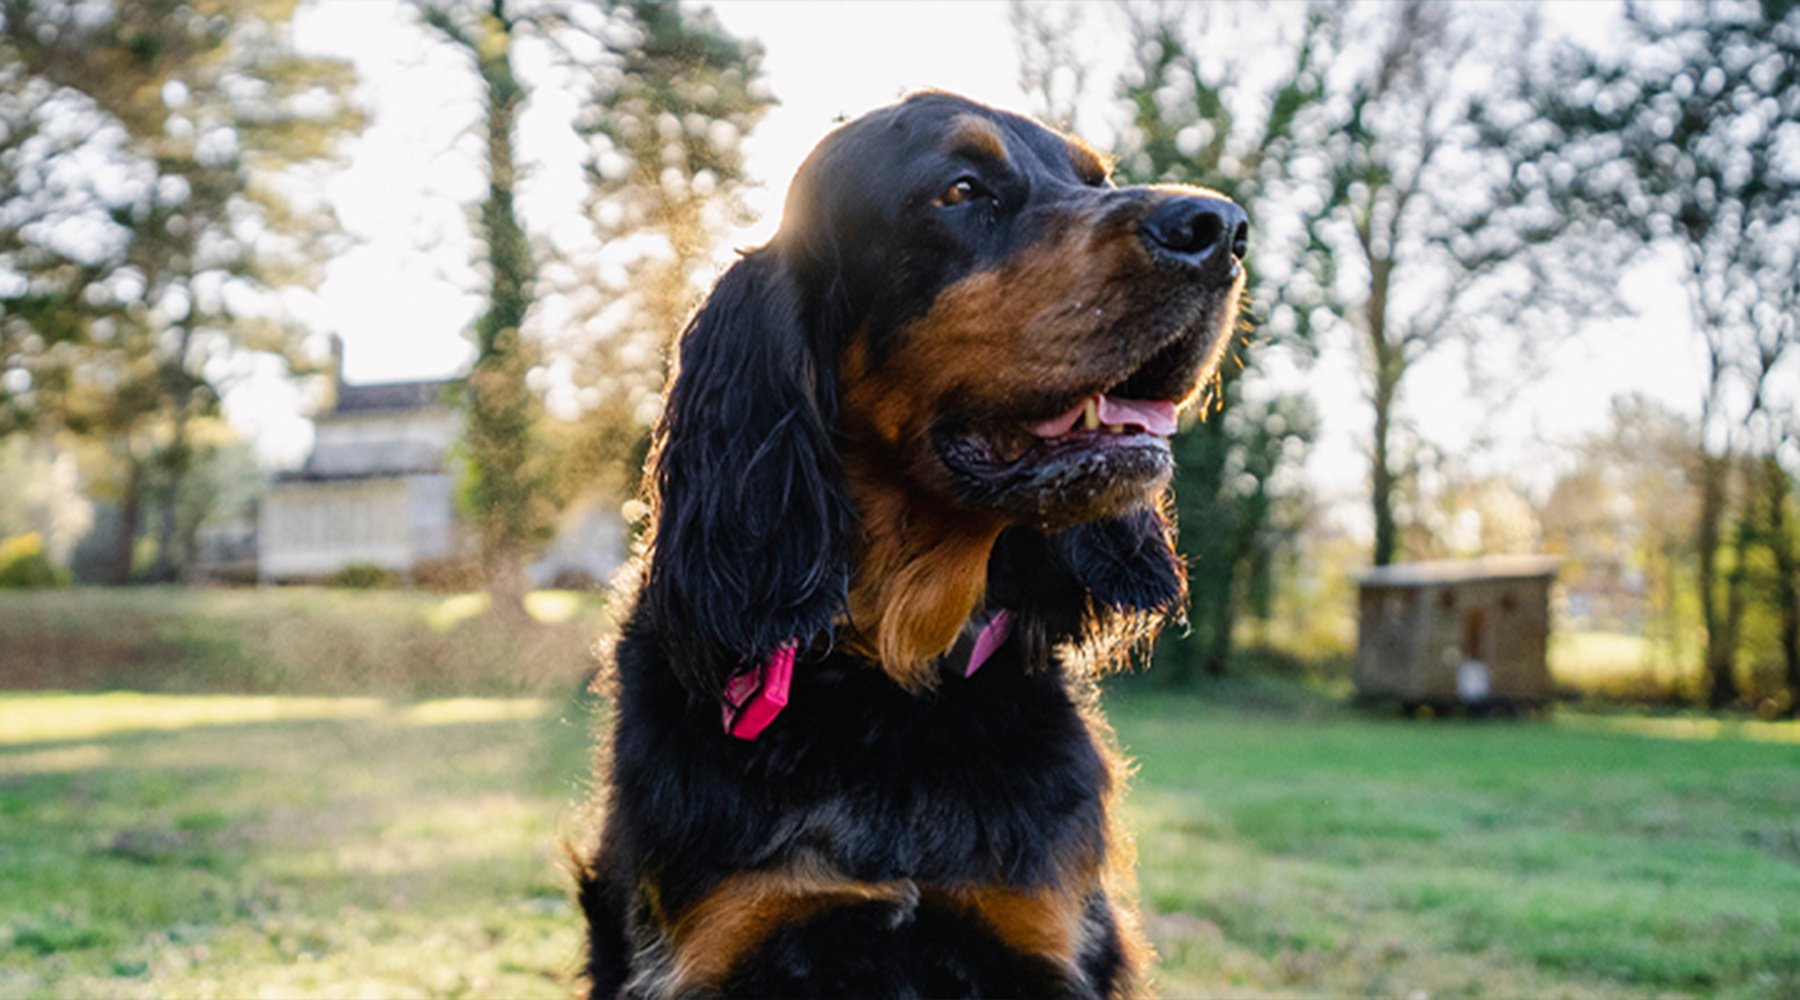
[{"x": 1156, "y": 417}]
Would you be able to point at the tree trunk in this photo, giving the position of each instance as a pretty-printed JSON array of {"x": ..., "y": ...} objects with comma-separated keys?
[
  {"x": 1389, "y": 367},
  {"x": 168, "y": 565},
  {"x": 1721, "y": 645},
  {"x": 176, "y": 458},
  {"x": 509, "y": 496},
  {"x": 1778, "y": 489},
  {"x": 131, "y": 508},
  {"x": 508, "y": 583},
  {"x": 1382, "y": 481}
]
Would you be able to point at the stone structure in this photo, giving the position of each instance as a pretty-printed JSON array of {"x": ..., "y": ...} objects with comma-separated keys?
[{"x": 1466, "y": 632}]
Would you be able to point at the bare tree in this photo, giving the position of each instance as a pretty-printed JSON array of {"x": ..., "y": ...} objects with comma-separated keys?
[
  {"x": 1419, "y": 237},
  {"x": 1050, "y": 68},
  {"x": 1683, "y": 141}
]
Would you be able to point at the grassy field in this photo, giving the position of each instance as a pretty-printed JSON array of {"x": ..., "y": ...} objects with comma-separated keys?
[
  {"x": 203, "y": 844},
  {"x": 292, "y": 640}
]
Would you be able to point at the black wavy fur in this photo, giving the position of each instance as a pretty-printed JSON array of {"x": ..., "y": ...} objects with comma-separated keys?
[
  {"x": 753, "y": 530},
  {"x": 996, "y": 780}
]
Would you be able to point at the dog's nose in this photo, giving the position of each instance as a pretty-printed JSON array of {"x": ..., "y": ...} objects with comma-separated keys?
[{"x": 1209, "y": 234}]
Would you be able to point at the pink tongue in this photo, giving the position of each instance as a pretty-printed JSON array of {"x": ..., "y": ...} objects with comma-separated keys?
[{"x": 1155, "y": 417}]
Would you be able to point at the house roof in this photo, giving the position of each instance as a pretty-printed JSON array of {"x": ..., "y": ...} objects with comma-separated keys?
[
  {"x": 1442, "y": 571},
  {"x": 389, "y": 396},
  {"x": 386, "y": 440}
]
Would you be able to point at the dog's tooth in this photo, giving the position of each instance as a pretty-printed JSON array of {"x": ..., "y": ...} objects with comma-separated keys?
[
  {"x": 1115, "y": 428},
  {"x": 1090, "y": 414}
]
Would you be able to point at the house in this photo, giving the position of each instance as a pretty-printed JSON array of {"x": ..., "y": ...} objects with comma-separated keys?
[
  {"x": 379, "y": 488},
  {"x": 1469, "y": 632}
]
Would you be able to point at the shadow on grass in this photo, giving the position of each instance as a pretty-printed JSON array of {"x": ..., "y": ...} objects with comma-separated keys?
[
  {"x": 408, "y": 852},
  {"x": 1286, "y": 845},
  {"x": 1337, "y": 853}
]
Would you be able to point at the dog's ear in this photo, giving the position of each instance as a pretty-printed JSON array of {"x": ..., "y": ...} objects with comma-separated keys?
[
  {"x": 751, "y": 544},
  {"x": 1113, "y": 579}
]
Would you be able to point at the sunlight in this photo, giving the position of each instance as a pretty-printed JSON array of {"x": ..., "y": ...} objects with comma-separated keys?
[
  {"x": 1685, "y": 727},
  {"x": 553, "y": 607},
  {"x": 453, "y": 611},
  {"x": 40, "y": 718},
  {"x": 451, "y": 711}
]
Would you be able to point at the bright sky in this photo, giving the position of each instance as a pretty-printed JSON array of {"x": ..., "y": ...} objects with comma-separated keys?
[{"x": 402, "y": 297}]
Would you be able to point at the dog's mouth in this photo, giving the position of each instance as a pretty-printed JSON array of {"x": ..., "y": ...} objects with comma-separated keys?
[
  {"x": 1107, "y": 415},
  {"x": 1103, "y": 451}
]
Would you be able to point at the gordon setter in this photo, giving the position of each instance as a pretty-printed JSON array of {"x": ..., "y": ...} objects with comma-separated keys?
[{"x": 908, "y": 499}]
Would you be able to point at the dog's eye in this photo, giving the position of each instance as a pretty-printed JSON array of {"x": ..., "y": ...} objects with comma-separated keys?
[{"x": 963, "y": 190}]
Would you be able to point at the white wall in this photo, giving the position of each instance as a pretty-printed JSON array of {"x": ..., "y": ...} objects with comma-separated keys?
[{"x": 315, "y": 529}]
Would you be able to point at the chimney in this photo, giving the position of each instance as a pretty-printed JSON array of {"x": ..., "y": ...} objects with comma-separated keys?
[{"x": 337, "y": 370}]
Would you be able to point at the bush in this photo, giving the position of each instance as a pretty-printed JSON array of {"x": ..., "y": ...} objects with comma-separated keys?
[
  {"x": 365, "y": 576},
  {"x": 24, "y": 566}
]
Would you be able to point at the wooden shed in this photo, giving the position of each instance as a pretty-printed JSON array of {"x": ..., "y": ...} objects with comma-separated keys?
[{"x": 1460, "y": 632}]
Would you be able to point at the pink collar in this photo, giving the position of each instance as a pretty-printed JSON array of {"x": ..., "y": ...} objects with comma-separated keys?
[
  {"x": 993, "y": 636},
  {"x": 754, "y": 697}
]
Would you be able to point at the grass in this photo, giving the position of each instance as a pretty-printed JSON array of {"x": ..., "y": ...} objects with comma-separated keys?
[
  {"x": 1617, "y": 666},
  {"x": 294, "y": 841},
  {"x": 1341, "y": 854},
  {"x": 292, "y": 640},
  {"x": 168, "y": 845}
]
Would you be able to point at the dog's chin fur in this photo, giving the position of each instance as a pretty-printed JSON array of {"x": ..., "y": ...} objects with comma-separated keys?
[{"x": 904, "y": 826}]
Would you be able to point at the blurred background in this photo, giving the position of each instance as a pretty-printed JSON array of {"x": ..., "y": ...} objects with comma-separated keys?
[{"x": 331, "y": 334}]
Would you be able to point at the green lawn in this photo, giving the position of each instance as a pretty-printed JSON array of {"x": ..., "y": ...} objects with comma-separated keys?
[
  {"x": 1342, "y": 854},
  {"x": 266, "y": 819},
  {"x": 158, "y": 845}
]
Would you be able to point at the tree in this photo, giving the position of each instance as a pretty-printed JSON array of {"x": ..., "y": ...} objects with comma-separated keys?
[
  {"x": 1050, "y": 68},
  {"x": 1235, "y": 493},
  {"x": 1418, "y": 235},
  {"x": 204, "y": 106},
  {"x": 507, "y": 480},
  {"x": 1684, "y": 141},
  {"x": 666, "y": 114},
  {"x": 1625, "y": 502}
]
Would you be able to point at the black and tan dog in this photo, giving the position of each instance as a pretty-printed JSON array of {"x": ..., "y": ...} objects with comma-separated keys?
[{"x": 907, "y": 494}]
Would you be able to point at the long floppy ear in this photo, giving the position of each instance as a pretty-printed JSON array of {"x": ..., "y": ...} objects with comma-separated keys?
[
  {"x": 1104, "y": 582},
  {"x": 751, "y": 545}
]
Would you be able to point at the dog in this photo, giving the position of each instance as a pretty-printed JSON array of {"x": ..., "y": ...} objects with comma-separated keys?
[{"x": 907, "y": 499}]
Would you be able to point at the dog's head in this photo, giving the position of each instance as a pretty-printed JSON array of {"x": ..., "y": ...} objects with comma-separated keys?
[{"x": 954, "y": 368}]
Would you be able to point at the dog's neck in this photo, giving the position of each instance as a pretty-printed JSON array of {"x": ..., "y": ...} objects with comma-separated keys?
[{"x": 921, "y": 573}]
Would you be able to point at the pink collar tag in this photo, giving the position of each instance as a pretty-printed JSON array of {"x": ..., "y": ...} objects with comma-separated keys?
[
  {"x": 993, "y": 636},
  {"x": 753, "y": 698}
]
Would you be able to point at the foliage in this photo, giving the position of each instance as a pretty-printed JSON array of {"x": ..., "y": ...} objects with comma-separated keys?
[
  {"x": 1238, "y": 497},
  {"x": 507, "y": 485},
  {"x": 1623, "y": 519},
  {"x": 1415, "y": 236},
  {"x": 664, "y": 121},
  {"x": 25, "y": 566},
  {"x": 669, "y": 96},
  {"x": 144, "y": 214},
  {"x": 365, "y": 576},
  {"x": 1683, "y": 139}
]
